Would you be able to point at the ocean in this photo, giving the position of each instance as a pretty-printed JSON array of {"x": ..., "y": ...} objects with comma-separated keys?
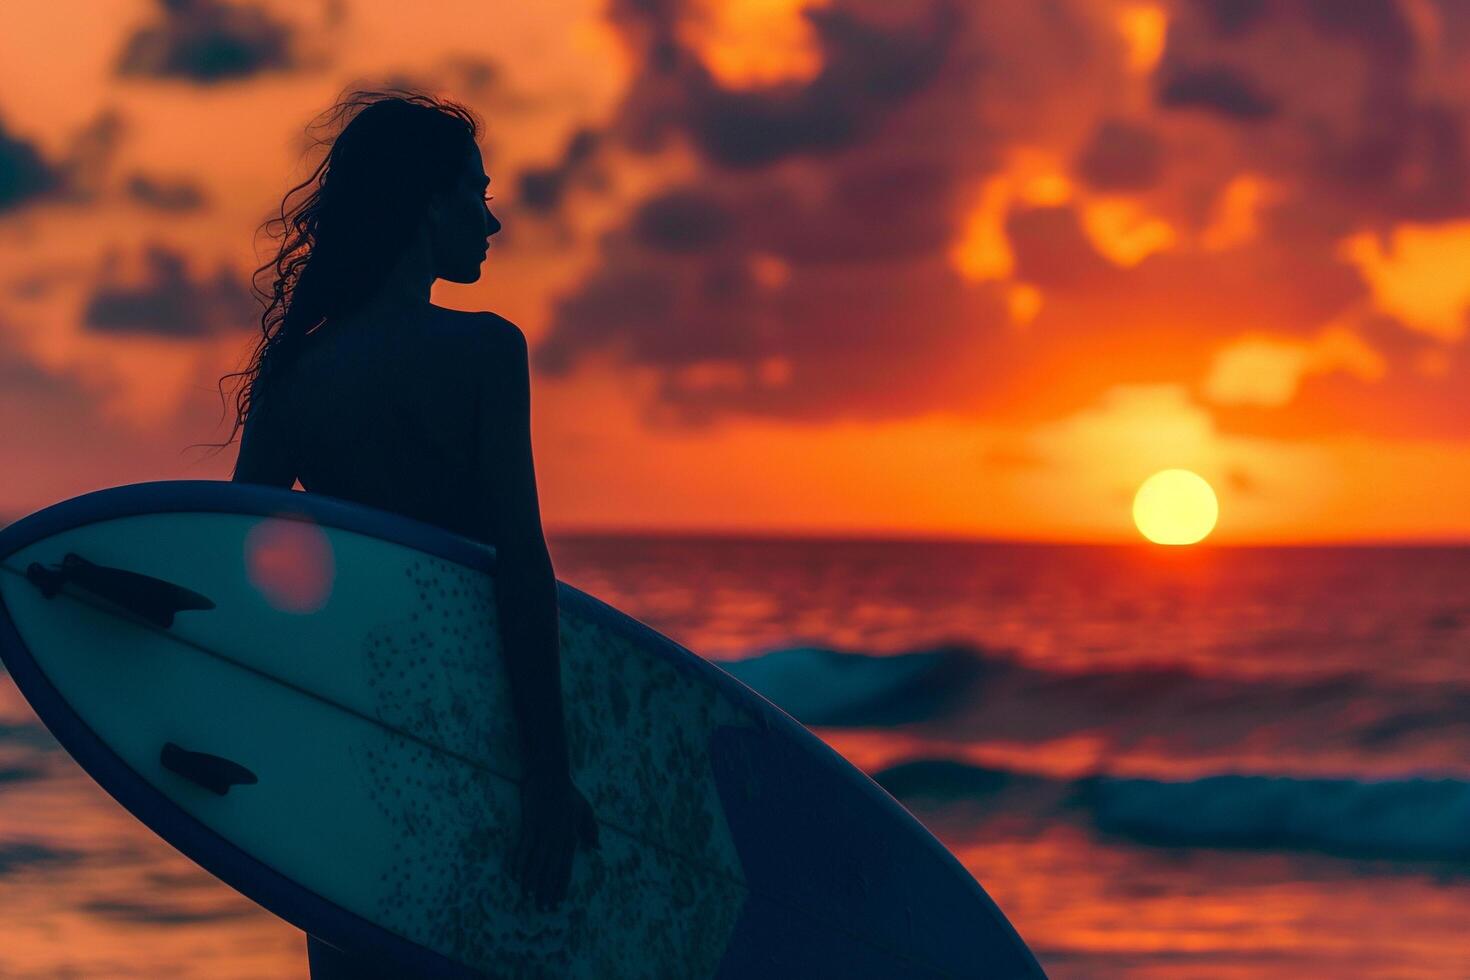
[{"x": 1195, "y": 762}]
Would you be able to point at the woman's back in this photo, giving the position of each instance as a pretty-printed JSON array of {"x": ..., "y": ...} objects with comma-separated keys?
[{"x": 384, "y": 413}]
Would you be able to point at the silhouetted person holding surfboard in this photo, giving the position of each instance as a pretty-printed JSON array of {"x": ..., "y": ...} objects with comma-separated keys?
[{"x": 364, "y": 390}]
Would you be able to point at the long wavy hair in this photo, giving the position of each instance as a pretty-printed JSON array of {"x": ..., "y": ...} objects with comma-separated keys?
[{"x": 388, "y": 151}]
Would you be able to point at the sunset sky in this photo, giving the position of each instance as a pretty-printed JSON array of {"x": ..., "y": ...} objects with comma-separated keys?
[{"x": 939, "y": 268}]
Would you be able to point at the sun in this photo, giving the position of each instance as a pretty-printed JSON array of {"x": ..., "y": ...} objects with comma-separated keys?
[{"x": 1175, "y": 507}]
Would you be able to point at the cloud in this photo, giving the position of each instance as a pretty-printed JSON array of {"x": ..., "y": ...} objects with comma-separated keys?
[
  {"x": 90, "y": 154},
  {"x": 163, "y": 194},
  {"x": 17, "y": 855},
  {"x": 865, "y": 68},
  {"x": 466, "y": 77},
  {"x": 166, "y": 301},
  {"x": 76, "y": 175},
  {"x": 683, "y": 220},
  {"x": 1378, "y": 27},
  {"x": 757, "y": 272},
  {"x": 1150, "y": 421},
  {"x": 1217, "y": 89},
  {"x": 1263, "y": 370},
  {"x": 1408, "y": 277},
  {"x": 1236, "y": 212},
  {"x": 207, "y": 42},
  {"x": 1341, "y": 100},
  {"x": 157, "y": 913},
  {"x": 1059, "y": 201},
  {"x": 1232, "y": 18},
  {"x": 541, "y": 188},
  {"x": 24, "y": 173},
  {"x": 1143, "y": 27},
  {"x": 1121, "y": 156}
]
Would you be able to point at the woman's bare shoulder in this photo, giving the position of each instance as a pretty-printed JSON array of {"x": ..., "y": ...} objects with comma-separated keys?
[{"x": 483, "y": 332}]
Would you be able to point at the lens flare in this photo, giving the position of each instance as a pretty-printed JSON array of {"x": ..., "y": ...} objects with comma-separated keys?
[{"x": 289, "y": 559}]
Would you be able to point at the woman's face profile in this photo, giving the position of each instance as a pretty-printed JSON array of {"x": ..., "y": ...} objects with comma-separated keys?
[{"x": 460, "y": 223}]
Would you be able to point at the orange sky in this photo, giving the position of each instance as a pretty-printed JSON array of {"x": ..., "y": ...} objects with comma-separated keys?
[{"x": 936, "y": 268}]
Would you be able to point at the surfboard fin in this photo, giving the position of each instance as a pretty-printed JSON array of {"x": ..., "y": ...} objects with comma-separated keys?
[
  {"x": 151, "y": 598},
  {"x": 214, "y": 773}
]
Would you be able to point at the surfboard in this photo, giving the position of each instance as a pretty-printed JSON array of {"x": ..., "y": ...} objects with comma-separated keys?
[{"x": 305, "y": 697}]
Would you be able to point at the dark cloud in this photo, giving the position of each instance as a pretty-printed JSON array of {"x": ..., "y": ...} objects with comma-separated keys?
[
  {"x": 16, "y": 855},
  {"x": 1216, "y": 89},
  {"x": 1231, "y": 18},
  {"x": 866, "y": 67},
  {"x": 207, "y": 41},
  {"x": 1377, "y": 27},
  {"x": 1354, "y": 126},
  {"x": 696, "y": 279},
  {"x": 163, "y": 194},
  {"x": 1404, "y": 159},
  {"x": 24, "y": 173},
  {"x": 844, "y": 347},
  {"x": 19, "y": 774},
  {"x": 77, "y": 175},
  {"x": 845, "y": 344},
  {"x": 542, "y": 188},
  {"x": 617, "y": 306},
  {"x": 1121, "y": 156},
  {"x": 158, "y": 913},
  {"x": 169, "y": 303},
  {"x": 682, "y": 220}
]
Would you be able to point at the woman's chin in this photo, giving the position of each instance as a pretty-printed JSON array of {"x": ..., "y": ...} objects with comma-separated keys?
[{"x": 466, "y": 275}]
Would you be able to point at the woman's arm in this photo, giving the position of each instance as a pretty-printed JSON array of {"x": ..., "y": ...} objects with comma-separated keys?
[{"x": 525, "y": 583}]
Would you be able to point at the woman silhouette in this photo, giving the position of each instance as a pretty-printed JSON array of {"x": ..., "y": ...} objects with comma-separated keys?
[{"x": 363, "y": 389}]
